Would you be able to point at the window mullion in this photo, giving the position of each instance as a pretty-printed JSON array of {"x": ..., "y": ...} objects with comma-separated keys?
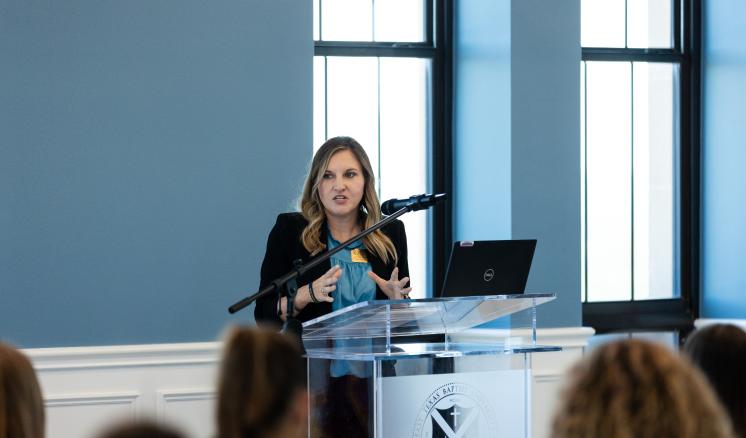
[
  {"x": 378, "y": 121},
  {"x": 585, "y": 174},
  {"x": 639, "y": 55},
  {"x": 632, "y": 178},
  {"x": 393, "y": 50},
  {"x": 373, "y": 20},
  {"x": 326, "y": 97},
  {"x": 429, "y": 28},
  {"x": 677, "y": 25},
  {"x": 626, "y": 24}
]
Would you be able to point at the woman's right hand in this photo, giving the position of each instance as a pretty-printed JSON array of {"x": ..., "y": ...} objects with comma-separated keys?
[{"x": 322, "y": 289}]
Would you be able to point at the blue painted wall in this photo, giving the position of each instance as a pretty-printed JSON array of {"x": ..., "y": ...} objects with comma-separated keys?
[
  {"x": 545, "y": 178},
  {"x": 724, "y": 160},
  {"x": 517, "y": 142},
  {"x": 145, "y": 149}
]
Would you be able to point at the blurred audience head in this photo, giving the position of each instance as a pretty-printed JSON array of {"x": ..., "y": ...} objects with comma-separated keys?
[
  {"x": 720, "y": 352},
  {"x": 140, "y": 429},
  {"x": 634, "y": 388},
  {"x": 21, "y": 403},
  {"x": 262, "y": 388}
]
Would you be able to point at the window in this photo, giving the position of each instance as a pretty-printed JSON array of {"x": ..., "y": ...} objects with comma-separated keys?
[
  {"x": 378, "y": 77},
  {"x": 639, "y": 160}
]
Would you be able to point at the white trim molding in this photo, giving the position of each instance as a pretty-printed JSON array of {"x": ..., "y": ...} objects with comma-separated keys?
[
  {"x": 121, "y": 356},
  {"x": 128, "y": 398},
  {"x": 186, "y": 408},
  {"x": 181, "y": 395}
]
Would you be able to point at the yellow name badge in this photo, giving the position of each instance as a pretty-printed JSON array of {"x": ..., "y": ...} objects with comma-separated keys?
[{"x": 358, "y": 256}]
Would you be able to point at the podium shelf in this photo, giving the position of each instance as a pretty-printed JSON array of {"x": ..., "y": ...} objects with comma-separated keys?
[
  {"x": 422, "y": 350},
  {"x": 429, "y": 316}
]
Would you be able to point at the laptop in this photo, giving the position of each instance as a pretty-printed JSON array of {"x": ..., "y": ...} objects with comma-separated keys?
[{"x": 488, "y": 267}]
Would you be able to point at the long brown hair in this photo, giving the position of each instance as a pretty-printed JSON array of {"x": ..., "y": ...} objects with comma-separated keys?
[
  {"x": 21, "y": 403},
  {"x": 634, "y": 388},
  {"x": 260, "y": 373},
  {"x": 370, "y": 207}
]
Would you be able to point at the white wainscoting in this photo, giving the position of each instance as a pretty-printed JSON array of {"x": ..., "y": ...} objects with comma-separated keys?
[{"x": 88, "y": 388}]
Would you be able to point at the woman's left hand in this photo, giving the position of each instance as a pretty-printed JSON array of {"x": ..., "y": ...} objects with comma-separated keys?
[{"x": 393, "y": 287}]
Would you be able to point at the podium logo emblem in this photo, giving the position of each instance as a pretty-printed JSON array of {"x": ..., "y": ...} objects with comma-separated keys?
[
  {"x": 455, "y": 410},
  {"x": 489, "y": 274}
]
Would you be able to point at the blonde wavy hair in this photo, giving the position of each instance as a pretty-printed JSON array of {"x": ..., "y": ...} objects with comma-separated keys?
[
  {"x": 638, "y": 389},
  {"x": 370, "y": 208}
]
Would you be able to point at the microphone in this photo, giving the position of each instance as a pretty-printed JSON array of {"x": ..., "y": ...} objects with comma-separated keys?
[{"x": 413, "y": 203}]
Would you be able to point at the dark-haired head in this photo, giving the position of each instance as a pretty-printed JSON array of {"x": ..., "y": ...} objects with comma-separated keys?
[
  {"x": 141, "y": 429},
  {"x": 262, "y": 390},
  {"x": 720, "y": 352},
  {"x": 21, "y": 403}
]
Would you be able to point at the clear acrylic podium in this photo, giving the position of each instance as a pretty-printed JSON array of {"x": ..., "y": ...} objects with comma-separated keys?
[{"x": 397, "y": 368}]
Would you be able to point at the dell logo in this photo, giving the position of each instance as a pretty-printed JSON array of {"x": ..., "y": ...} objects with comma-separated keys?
[{"x": 489, "y": 274}]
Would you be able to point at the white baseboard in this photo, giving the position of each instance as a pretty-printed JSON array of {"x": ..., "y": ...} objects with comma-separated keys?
[{"x": 88, "y": 388}]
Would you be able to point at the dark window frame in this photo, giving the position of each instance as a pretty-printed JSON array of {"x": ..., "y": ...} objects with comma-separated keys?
[
  {"x": 676, "y": 314},
  {"x": 438, "y": 48}
]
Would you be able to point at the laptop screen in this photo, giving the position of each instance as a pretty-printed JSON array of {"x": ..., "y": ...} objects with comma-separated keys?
[{"x": 488, "y": 267}]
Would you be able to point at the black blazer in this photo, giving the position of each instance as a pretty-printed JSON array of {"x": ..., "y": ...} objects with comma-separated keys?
[{"x": 284, "y": 246}]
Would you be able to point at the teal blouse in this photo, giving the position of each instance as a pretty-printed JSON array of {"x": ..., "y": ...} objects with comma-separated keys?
[{"x": 354, "y": 286}]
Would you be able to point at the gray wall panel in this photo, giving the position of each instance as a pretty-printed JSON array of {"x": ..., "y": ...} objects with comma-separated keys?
[{"x": 145, "y": 148}]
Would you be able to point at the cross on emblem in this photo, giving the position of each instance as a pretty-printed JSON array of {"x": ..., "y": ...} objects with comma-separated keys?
[
  {"x": 456, "y": 412},
  {"x": 461, "y": 421}
]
